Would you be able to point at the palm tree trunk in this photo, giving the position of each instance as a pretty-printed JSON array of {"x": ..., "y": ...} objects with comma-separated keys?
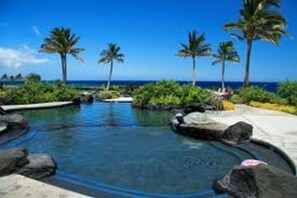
[
  {"x": 63, "y": 67},
  {"x": 65, "y": 72},
  {"x": 110, "y": 73},
  {"x": 247, "y": 65},
  {"x": 223, "y": 76},
  {"x": 193, "y": 73}
]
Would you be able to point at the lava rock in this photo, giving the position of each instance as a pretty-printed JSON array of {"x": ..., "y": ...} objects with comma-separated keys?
[
  {"x": 238, "y": 133},
  {"x": 2, "y": 111},
  {"x": 198, "y": 125},
  {"x": 3, "y": 127},
  {"x": 39, "y": 166},
  {"x": 257, "y": 181},
  {"x": 86, "y": 98},
  {"x": 12, "y": 159},
  {"x": 196, "y": 107},
  {"x": 14, "y": 121}
]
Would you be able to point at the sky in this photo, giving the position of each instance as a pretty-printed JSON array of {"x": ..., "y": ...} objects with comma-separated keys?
[{"x": 149, "y": 33}]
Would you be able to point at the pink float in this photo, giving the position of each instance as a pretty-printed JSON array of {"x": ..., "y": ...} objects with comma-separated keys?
[{"x": 252, "y": 162}]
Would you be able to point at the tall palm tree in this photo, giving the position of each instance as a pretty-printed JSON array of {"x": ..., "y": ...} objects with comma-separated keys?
[
  {"x": 226, "y": 53},
  {"x": 259, "y": 20},
  {"x": 62, "y": 41},
  {"x": 19, "y": 76},
  {"x": 195, "y": 48},
  {"x": 108, "y": 56},
  {"x": 4, "y": 77}
]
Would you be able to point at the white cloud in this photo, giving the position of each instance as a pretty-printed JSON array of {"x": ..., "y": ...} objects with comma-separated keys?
[
  {"x": 22, "y": 56},
  {"x": 36, "y": 30}
]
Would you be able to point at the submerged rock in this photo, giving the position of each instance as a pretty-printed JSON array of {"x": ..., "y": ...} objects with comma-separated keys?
[
  {"x": 12, "y": 159},
  {"x": 238, "y": 133},
  {"x": 257, "y": 181},
  {"x": 39, "y": 166}
]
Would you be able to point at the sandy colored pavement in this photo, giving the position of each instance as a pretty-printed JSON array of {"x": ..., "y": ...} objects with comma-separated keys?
[
  {"x": 277, "y": 128},
  {"x": 17, "y": 186}
]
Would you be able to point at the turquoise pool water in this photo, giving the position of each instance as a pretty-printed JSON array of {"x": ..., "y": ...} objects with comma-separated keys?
[{"x": 120, "y": 146}]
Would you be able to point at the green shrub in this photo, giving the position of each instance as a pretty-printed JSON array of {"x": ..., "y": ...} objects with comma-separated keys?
[
  {"x": 33, "y": 78},
  {"x": 255, "y": 93},
  {"x": 108, "y": 95},
  {"x": 288, "y": 90},
  {"x": 236, "y": 99},
  {"x": 168, "y": 93},
  {"x": 38, "y": 93}
]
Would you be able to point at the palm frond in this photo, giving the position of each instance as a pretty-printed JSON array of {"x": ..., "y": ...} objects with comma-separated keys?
[{"x": 111, "y": 53}]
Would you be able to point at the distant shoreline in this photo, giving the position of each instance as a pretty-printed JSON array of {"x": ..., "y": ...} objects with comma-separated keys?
[{"x": 269, "y": 86}]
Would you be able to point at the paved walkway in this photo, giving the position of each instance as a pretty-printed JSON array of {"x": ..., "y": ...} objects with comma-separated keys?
[
  {"x": 274, "y": 127},
  {"x": 36, "y": 106},
  {"x": 13, "y": 186},
  {"x": 120, "y": 99}
]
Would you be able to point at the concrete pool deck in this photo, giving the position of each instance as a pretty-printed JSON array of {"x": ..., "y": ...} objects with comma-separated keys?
[
  {"x": 13, "y": 186},
  {"x": 119, "y": 100},
  {"x": 36, "y": 106},
  {"x": 277, "y": 128}
]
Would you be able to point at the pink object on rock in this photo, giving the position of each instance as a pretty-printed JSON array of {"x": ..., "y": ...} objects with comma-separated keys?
[{"x": 252, "y": 162}]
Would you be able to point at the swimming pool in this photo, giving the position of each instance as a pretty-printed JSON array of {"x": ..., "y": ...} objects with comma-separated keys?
[{"x": 126, "y": 151}]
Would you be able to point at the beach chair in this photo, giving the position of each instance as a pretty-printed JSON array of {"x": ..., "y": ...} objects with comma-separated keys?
[{"x": 213, "y": 103}]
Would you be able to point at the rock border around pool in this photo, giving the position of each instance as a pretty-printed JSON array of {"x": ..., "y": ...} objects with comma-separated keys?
[
  {"x": 18, "y": 160},
  {"x": 198, "y": 125},
  {"x": 257, "y": 181}
]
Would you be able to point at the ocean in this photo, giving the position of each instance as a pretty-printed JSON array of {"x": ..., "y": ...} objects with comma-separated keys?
[{"x": 269, "y": 86}]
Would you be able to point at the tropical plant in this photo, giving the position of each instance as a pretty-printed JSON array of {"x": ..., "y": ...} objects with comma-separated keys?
[
  {"x": 11, "y": 78},
  {"x": 62, "y": 41},
  {"x": 226, "y": 53},
  {"x": 288, "y": 90},
  {"x": 258, "y": 94},
  {"x": 108, "y": 56},
  {"x": 38, "y": 93},
  {"x": 258, "y": 21},
  {"x": 195, "y": 48},
  {"x": 168, "y": 93},
  {"x": 33, "y": 78}
]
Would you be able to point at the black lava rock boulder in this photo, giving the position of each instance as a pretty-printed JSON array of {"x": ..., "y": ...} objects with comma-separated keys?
[
  {"x": 257, "y": 182},
  {"x": 238, "y": 133}
]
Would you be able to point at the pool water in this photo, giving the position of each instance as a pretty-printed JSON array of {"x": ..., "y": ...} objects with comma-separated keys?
[{"x": 118, "y": 145}]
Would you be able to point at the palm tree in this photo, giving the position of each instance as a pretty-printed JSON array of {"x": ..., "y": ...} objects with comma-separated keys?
[
  {"x": 4, "y": 77},
  {"x": 226, "y": 52},
  {"x": 62, "y": 41},
  {"x": 258, "y": 21},
  {"x": 195, "y": 47},
  {"x": 19, "y": 76},
  {"x": 108, "y": 56}
]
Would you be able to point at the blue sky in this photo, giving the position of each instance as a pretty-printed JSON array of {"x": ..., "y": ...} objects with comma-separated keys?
[{"x": 149, "y": 33}]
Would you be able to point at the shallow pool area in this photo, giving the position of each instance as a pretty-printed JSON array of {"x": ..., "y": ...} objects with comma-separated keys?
[{"x": 119, "y": 147}]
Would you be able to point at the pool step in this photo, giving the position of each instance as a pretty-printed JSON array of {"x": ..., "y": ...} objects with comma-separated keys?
[{"x": 97, "y": 189}]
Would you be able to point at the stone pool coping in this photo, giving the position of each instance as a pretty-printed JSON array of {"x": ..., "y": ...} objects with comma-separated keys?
[
  {"x": 119, "y": 100},
  {"x": 276, "y": 128},
  {"x": 14, "y": 185},
  {"x": 46, "y": 105}
]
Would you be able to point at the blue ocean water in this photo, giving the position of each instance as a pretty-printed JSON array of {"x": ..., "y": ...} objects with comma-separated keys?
[{"x": 269, "y": 86}]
